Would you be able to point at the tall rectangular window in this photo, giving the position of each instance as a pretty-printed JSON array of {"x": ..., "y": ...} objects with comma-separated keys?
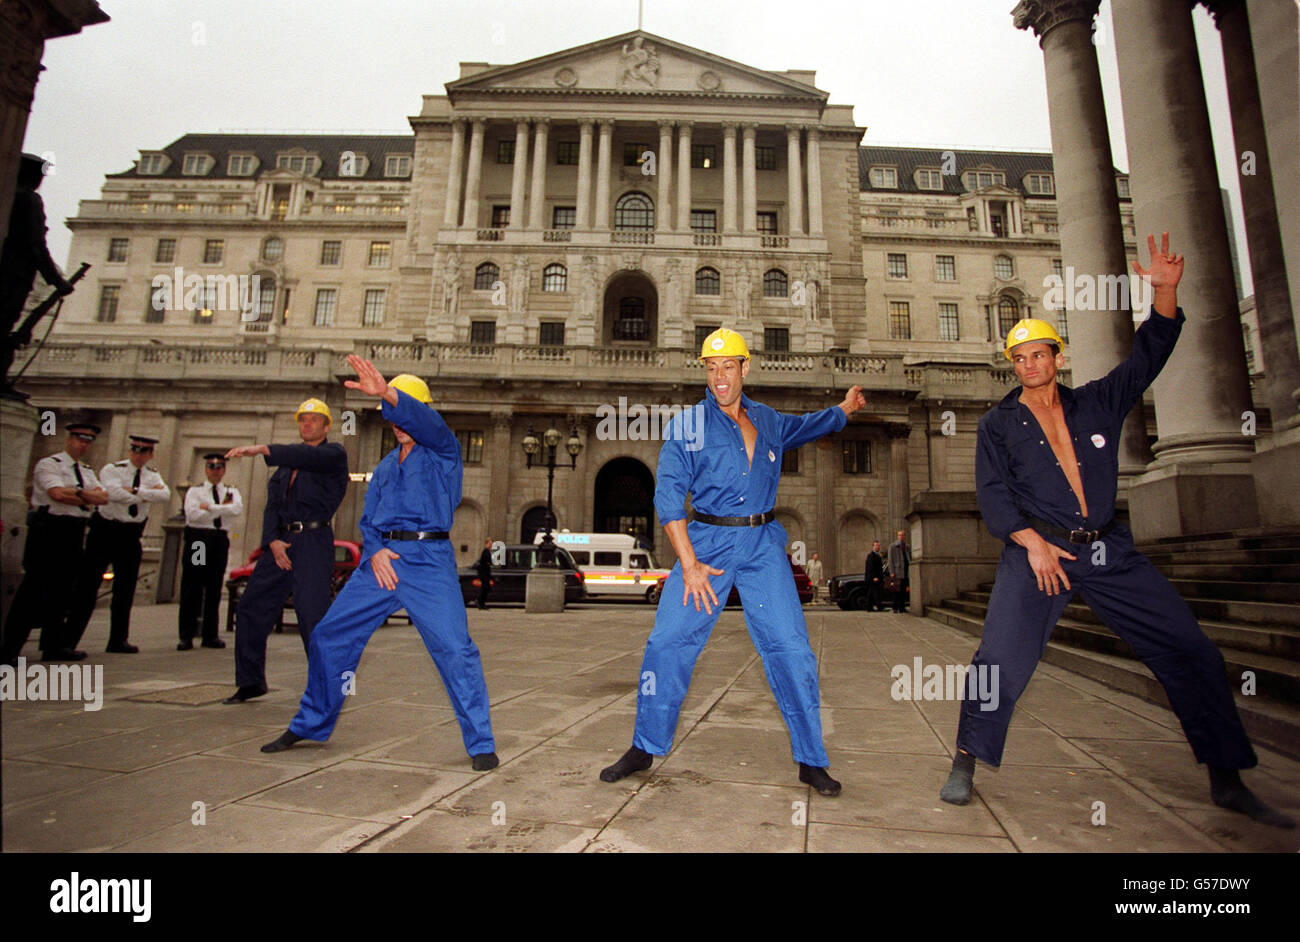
[
  {"x": 896, "y": 265},
  {"x": 632, "y": 152},
  {"x": 550, "y": 334},
  {"x": 564, "y": 217},
  {"x": 214, "y": 250},
  {"x": 776, "y": 339},
  {"x": 857, "y": 457},
  {"x": 330, "y": 252},
  {"x": 764, "y": 158},
  {"x": 482, "y": 331},
  {"x": 767, "y": 223},
  {"x": 165, "y": 252},
  {"x": 381, "y": 254},
  {"x": 500, "y": 217},
  {"x": 900, "y": 320},
  {"x": 505, "y": 152},
  {"x": 949, "y": 328},
  {"x": 471, "y": 445},
  {"x": 945, "y": 268},
  {"x": 566, "y": 153},
  {"x": 372, "y": 314},
  {"x": 703, "y": 156},
  {"x": 117, "y": 249},
  {"x": 154, "y": 313},
  {"x": 704, "y": 220},
  {"x": 327, "y": 300},
  {"x": 702, "y": 332},
  {"x": 109, "y": 295}
]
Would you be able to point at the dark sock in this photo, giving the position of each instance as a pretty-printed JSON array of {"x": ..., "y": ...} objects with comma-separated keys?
[
  {"x": 956, "y": 791},
  {"x": 1228, "y": 791},
  {"x": 286, "y": 740},
  {"x": 634, "y": 760},
  {"x": 819, "y": 779},
  {"x": 484, "y": 761}
]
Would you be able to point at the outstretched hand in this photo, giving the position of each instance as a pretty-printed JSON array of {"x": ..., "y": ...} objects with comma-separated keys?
[
  {"x": 369, "y": 380},
  {"x": 1166, "y": 270},
  {"x": 853, "y": 400}
]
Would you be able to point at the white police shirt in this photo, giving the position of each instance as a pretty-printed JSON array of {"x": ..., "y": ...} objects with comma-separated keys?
[
  {"x": 61, "y": 471},
  {"x": 217, "y": 508},
  {"x": 118, "y": 478}
]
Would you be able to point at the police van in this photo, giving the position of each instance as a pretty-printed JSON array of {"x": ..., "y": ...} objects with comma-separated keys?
[{"x": 612, "y": 564}]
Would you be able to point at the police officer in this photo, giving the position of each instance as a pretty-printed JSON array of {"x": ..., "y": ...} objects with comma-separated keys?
[
  {"x": 730, "y": 466},
  {"x": 65, "y": 492},
  {"x": 1046, "y": 473},
  {"x": 407, "y": 562},
  {"x": 209, "y": 510},
  {"x": 114, "y": 537},
  {"x": 297, "y": 542}
]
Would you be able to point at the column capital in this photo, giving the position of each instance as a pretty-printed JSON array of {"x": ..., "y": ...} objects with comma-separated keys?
[
  {"x": 541, "y": 122},
  {"x": 666, "y": 127},
  {"x": 605, "y": 122},
  {"x": 521, "y": 123},
  {"x": 1044, "y": 15},
  {"x": 477, "y": 121},
  {"x": 730, "y": 126},
  {"x": 586, "y": 124},
  {"x": 814, "y": 132},
  {"x": 749, "y": 126},
  {"x": 685, "y": 126},
  {"x": 794, "y": 129},
  {"x": 458, "y": 119}
]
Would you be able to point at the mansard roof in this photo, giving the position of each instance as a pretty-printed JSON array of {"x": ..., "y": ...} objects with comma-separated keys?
[
  {"x": 1016, "y": 164},
  {"x": 328, "y": 147}
]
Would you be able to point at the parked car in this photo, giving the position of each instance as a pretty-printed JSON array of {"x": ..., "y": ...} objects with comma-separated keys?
[
  {"x": 510, "y": 582},
  {"x": 802, "y": 584},
  {"x": 849, "y": 592},
  {"x": 347, "y": 556}
]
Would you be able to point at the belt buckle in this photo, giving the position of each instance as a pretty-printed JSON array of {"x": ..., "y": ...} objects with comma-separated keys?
[
  {"x": 1084, "y": 536},
  {"x": 295, "y": 527}
]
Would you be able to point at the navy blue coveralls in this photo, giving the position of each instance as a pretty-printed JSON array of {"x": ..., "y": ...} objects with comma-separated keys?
[
  {"x": 713, "y": 467},
  {"x": 420, "y": 493},
  {"x": 1016, "y": 473},
  {"x": 316, "y": 492}
]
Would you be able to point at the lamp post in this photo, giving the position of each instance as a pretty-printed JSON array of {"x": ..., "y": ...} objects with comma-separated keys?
[{"x": 542, "y": 454}]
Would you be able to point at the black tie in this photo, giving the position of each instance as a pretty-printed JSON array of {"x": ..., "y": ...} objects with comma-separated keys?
[
  {"x": 216, "y": 498},
  {"x": 76, "y": 473},
  {"x": 134, "y": 509}
]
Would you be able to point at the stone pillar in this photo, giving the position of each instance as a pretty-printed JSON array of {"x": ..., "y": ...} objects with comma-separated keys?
[
  {"x": 826, "y": 452},
  {"x": 455, "y": 169},
  {"x": 602, "y": 173},
  {"x": 519, "y": 174},
  {"x": 1201, "y": 480},
  {"x": 583, "y": 212},
  {"x": 900, "y": 496},
  {"x": 793, "y": 181},
  {"x": 537, "y": 202},
  {"x": 664, "y": 172},
  {"x": 815, "y": 228},
  {"x": 18, "y": 423},
  {"x": 684, "y": 176},
  {"x": 729, "y": 177},
  {"x": 749, "y": 181},
  {"x": 1092, "y": 235},
  {"x": 474, "y": 174},
  {"x": 498, "y": 449}
]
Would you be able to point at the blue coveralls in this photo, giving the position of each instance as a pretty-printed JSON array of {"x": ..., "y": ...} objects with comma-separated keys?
[
  {"x": 315, "y": 495},
  {"x": 1016, "y": 472},
  {"x": 714, "y": 469},
  {"x": 420, "y": 493}
]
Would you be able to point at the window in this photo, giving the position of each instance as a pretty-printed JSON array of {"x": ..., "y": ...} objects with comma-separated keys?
[
  {"x": 857, "y": 457},
  {"x": 564, "y": 217},
  {"x": 704, "y": 220},
  {"x": 155, "y": 311},
  {"x": 765, "y": 158},
  {"x": 929, "y": 180},
  {"x": 471, "y": 445},
  {"x": 196, "y": 165},
  {"x": 900, "y": 320},
  {"x": 632, "y": 153},
  {"x": 344, "y": 205},
  {"x": 703, "y": 156},
  {"x": 767, "y": 223},
  {"x": 109, "y": 295},
  {"x": 372, "y": 313},
  {"x": 945, "y": 268},
  {"x": 505, "y": 152},
  {"x": 298, "y": 163},
  {"x": 702, "y": 332},
  {"x": 949, "y": 328},
  {"x": 555, "y": 277},
  {"x": 273, "y": 249},
  {"x": 631, "y": 323},
  {"x": 607, "y": 558},
  {"x": 896, "y": 265},
  {"x": 884, "y": 178},
  {"x": 1003, "y": 268},
  {"x": 381, "y": 253},
  {"x": 117, "y": 249},
  {"x": 500, "y": 217},
  {"x": 776, "y": 339},
  {"x": 326, "y": 301},
  {"x": 634, "y": 211},
  {"x": 485, "y": 276},
  {"x": 1039, "y": 184},
  {"x": 330, "y": 252},
  {"x": 241, "y": 165},
  {"x": 1063, "y": 328},
  {"x": 214, "y": 250},
  {"x": 790, "y": 462},
  {"x": 775, "y": 284},
  {"x": 280, "y": 195},
  {"x": 1008, "y": 314},
  {"x": 975, "y": 180},
  {"x": 397, "y": 165},
  {"x": 266, "y": 299},
  {"x": 1057, "y": 268},
  {"x": 352, "y": 164},
  {"x": 482, "y": 331},
  {"x": 151, "y": 164},
  {"x": 165, "y": 252},
  {"x": 707, "y": 281},
  {"x": 550, "y": 334},
  {"x": 566, "y": 153},
  {"x": 1121, "y": 187}
]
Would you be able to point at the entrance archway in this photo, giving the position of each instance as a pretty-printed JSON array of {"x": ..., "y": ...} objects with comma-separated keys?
[
  {"x": 631, "y": 310},
  {"x": 534, "y": 520},
  {"x": 624, "y": 502}
]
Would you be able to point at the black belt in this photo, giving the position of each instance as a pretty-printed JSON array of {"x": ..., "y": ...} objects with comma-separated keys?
[
  {"x": 754, "y": 520},
  {"x": 298, "y": 526},
  {"x": 207, "y": 531},
  {"x": 133, "y": 524},
  {"x": 42, "y": 515},
  {"x": 415, "y": 535},
  {"x": 1074, "y": 536}
]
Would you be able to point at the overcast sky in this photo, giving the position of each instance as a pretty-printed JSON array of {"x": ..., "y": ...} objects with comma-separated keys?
[{"x": 951, "y": 73}]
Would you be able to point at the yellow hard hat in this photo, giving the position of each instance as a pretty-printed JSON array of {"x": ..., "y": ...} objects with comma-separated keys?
[
  {"x": 1032, "y": 330},
  {"x": 413, "y": 386},
  {"x": 724, "y": 343},
  {"x": 314, "y": 405}
]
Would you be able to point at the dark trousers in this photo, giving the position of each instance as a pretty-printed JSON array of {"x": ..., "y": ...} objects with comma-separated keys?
[
  {"x": 311, "y": 553},
  {"x": 875, "y": 600},
  {"x": 201, "y": 581},
  {"x": 52, "y": 559},
  {"x": 900, "y": 597},
  {"x": 107, "y": 542},
  {"x": 484, "y": 586}
]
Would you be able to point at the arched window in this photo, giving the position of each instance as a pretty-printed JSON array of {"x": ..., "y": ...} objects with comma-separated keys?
[
  {"x": 273, "y": 249},
  {"x": 631, "y": 323},
  {"x": 775, "y": 284},
  {"x": 1008, "y": 314},
  {"x": 707, "y": 281},
  {"x": 555, "y": 278},
  {"x": 485, "y": 276},
  {"x": 634, "y": 211}
]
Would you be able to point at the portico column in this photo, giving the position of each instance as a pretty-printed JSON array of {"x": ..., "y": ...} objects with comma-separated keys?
[
  {"x": 499, "y": 485},
  {"x": 900, "y": 495},
  {"x": 456, "y": 167},
  {"x": 583, "y": 222},
  {"x": 729, "y": 177},
  {"x": 794, "y": 181},
  {"x": 537, "y": 202},
  {"x": 749, "y": 181},
  {"x": 1092, "y": 235},
  {"x": 664, "y": 173},
  {"x": 684, "y": 176},
  {"x": 814, "y": 183},
  {"x": 602, "y": 173},
  {"x": 519, "y": 174},
  {"x": 1201, "y": 479},
  {"x": 474, "y": 175}
]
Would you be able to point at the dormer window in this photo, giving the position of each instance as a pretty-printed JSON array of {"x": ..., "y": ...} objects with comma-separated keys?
[
  {"x": 196, "y": 165},
  {"x": 241, "y": 165},
  {"x": 151, "y": 164},
  {"x": 978, "y": 179},
  {"x": 352, "y": 164},
  {"x": 1040, "y": 184},
  {"x": 884, "y": 178},
  {"x": 397, "y": 165},
  {"x": 929, "y": 180},
  {"x": 305, "y": 164}
]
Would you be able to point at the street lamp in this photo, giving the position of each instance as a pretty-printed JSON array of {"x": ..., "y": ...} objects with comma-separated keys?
[{"x": 542, "y": 454}]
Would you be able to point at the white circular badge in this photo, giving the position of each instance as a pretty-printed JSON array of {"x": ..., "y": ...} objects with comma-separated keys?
[
  {"x": 717, "y": 344},
  {"x": 1022, "y": 333},
  {"x": 1099, "y": 440}
]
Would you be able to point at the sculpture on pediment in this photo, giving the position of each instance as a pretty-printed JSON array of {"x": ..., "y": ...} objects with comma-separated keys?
[
  {"x": 640, "y": 63},
  {"x": 519, "y": 276},
  {"x": 744, "y": 288},
  {"x": 451, "y": 284}
]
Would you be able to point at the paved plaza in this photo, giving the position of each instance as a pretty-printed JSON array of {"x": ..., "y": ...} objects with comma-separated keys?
[{"x": 395, "y": 777}]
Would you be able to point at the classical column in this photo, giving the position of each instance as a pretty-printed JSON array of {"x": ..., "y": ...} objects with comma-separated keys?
[
  {"x": 814, "y": 183},
  {"x": 1203, "y": 390},
  {"x": 664, "y": 173},
  {"x": 826, "y": 456},
  {"x": 455, "y": 169},
  {"x": 474, "y": 175},
  {"x": 684, "y": 176},
  {"x": 1092, "y": 235},
  {"x": 537, "y": 202},
  {"x": 602, "y": 173},
  {"x": 729, "y": 177},
  {"x": 749, "y": 182},
  {"x": 499, "y": 484},
  {"x": 794, "y": 181},
  {"x": 519, "y": 174},
  {"x": 583, "y": 222},
  {"x": 900, "y": 496}
]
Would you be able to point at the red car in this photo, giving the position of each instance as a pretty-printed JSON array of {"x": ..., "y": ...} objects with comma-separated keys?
[
  {"x": 347, "y": 556},
  {"x": 802, "y": 585}
]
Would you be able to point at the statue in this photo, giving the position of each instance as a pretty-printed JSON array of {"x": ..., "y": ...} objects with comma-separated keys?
[
  {"x": 590, "y": 288},
  {"x": 451, "y": 284},
  {"x": 517, "y": 300},
  {"x": 811, "y": 289},
  {"x": 672, "y": 307},
  {"x": 640, "y": 63},
  {"x": 744, "y": 288}
]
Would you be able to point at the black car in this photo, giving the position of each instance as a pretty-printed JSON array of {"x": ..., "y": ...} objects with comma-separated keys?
[
  {"x": 849, "y": 591},
  {"x": 510, "y": 581}
]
